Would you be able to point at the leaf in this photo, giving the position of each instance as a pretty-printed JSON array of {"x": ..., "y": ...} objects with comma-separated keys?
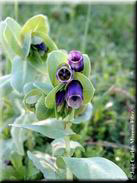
[
  {"x": 5, "y": 86},
  {"x": 87, "y": 66},
  {"x": 7, "y": 171},
  {"x": 14, "y": 26},
  {"x": 28, "y": 87},
  {"x": 50, "y": 99},
  {"x": 38, "y": 23},
  {"x": 20, "y": 135},
  {"x": 59, "y": 146},
  {"x": 31, "y": 171},
  {"x": 8, "y": 50},
  {"x": 17, "y": 163},
  {"x": 26, "y": 44},
  {"x": 88, "y": 88},
  {"x": 42, "y": 112},
  {"x": 51, "y": 128},
  {"x": 55, "y": 58},
  {"x": 84, "y": 117},
  {"x": 95, "y": 168},
  {"x": 45, "y": 163},
  {"x": 31, "y": 99},
  {"x": 5, "y": 146},
  {"x": 21, "y": 74},
  {"x": 11, "y": 36},
  {"x": 44, "y": 87}
]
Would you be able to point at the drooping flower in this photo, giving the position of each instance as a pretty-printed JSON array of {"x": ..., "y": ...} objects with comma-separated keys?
[
  {"x": 64, "y": 74},
  {"x": 74, "y": 94},
  {"x": 40, "y": 47},
  {"x": 60, "y": 99},
  {"x": 76, "y": 61}
]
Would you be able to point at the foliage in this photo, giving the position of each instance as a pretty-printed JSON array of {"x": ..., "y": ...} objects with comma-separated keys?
[{"x": 111, "y": 68}]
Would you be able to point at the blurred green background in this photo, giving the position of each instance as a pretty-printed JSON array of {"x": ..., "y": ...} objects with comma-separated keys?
[{"x": 106, "y": 33}]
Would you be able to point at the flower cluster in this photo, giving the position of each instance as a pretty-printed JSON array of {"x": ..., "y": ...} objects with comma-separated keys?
[
  {"x": 73, "y": 95},
  {"x": 72, "y": 90}
]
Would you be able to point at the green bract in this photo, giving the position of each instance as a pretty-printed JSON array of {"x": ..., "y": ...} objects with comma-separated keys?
[{"x": 17, "y": 40}]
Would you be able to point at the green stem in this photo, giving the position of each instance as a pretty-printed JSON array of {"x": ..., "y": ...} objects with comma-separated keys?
[
  {"x": 86, "y": 28},
  {"x": 69, "y": 175},
  {"x": 16, "y": 9}
]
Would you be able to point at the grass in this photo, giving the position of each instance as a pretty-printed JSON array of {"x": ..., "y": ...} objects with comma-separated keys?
[{"x": 106, "y": 34}]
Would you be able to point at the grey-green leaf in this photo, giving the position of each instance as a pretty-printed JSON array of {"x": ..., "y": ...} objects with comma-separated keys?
[
  {"x": 51, "y": 128},
  {"x": 96, "y": 168},
  {"x": 87, "y": 66},
  {"x": 88, "y": 88},
  {"x": 20, "y": 135},
  {"x": 26, "y": 44},
  {"x": 5, "y": 86},
  {"x": 45, "y": 163},
  {"x": 22, "y": 73},
  {"x": 42, "y": 112},
  {"x": 84, "y": 117},
  {"x": 8, "y": 50},
  {"x": 59, "y": 146},
  {"x": 44, "y": 87}
]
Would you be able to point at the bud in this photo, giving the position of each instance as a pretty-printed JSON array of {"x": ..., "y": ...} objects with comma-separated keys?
[{"x": 76, "y": 61}]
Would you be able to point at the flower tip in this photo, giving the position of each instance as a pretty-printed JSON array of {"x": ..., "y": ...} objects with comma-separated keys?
[
  {"x": 75, "y": 60},
  {"x": 74, "y": 94},
  {"x": 64, "y": 74}
]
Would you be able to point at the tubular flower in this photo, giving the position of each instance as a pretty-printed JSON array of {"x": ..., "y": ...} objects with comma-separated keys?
[
  {"x": 76, "y": 61},
  {"x": 60, "y": 99},
  {"x": 64, "y": 74},
  {"x": 74, "y": 94}
]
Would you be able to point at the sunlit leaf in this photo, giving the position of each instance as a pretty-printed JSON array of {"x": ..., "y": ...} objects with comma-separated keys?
[
  {"x": 87, "y": 66},
  {"x": 88, "y": 88},
  {"x": 59, "y": 146},
  {"x": 5, "y": 86},
  {"x": 38, "y": 23},
  {"x": 51, "y": 128},
  {"x": 95, "y": 168},
  {"x": 84, "y": 117}
]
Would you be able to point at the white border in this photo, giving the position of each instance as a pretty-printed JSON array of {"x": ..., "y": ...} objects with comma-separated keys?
[{"x": 70, "y": 1}]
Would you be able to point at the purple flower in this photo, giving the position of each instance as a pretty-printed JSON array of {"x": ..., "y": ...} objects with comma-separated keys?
[
  {"x": 76, "y": 61},
  {"x": 40, "y": 47},
  {"x": 64, "y": 74},
  {"x": 60, "y": 99},
  {"x": 74, "y": 94}
]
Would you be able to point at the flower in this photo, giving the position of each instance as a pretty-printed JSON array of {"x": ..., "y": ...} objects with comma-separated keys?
[
  {"x": 60, "y": 99},
  {"x": 40, "y": 47},
  {"x": 74, "y": 94},
  {"x": 64, "y": 74},
  {"x": 76, "y": 61}
]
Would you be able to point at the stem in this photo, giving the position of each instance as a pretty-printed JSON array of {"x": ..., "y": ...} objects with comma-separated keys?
[
  {"x": 16, "y": 9},
  {"x": 69, "y": 175},
  {"x": 86, "y": 28}
]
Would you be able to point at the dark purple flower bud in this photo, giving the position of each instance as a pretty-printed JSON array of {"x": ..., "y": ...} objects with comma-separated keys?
[
  {"x": 76, "y": 61},
  {"x": 60, "y": 99},
  {"x": 74, "y": 94},
  {"x": 40, "y": 47},
  {"x": 64, "y": 74}
]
